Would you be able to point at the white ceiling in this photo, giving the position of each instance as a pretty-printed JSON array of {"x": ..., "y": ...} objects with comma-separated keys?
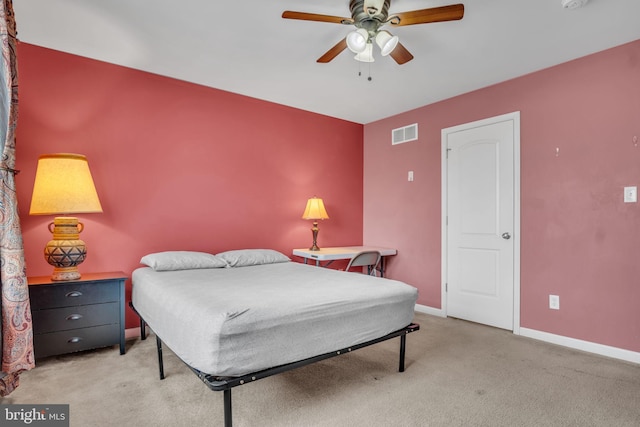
[{"x": 246, "y": 47}]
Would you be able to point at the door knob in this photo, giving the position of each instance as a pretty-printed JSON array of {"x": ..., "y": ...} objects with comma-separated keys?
[{"x": 506, "y": 236}]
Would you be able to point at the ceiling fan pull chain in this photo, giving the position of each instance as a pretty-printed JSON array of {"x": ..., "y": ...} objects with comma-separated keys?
[{"x": 360, "y": 70}]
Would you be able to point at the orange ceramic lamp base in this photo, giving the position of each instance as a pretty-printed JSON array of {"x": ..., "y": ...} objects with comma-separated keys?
[{"x": 66, "y": 251}]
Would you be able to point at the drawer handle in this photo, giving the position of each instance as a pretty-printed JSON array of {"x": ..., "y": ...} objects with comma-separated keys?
[
  {"x": 74, "y": 317},
  {"x": 73, "y": 294},
  {"x": 74, "y": 340}
]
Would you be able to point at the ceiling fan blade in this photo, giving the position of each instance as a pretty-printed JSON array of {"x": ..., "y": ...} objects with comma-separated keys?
[
  {"x": 333, "y": 52},
  {"x": 401, "y": 55},
  {"x": 425, "y": 16},
  {"x": 288, "y": 14}
]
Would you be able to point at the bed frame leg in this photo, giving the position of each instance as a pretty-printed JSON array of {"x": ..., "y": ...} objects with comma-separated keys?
[
  {"x": 403, "y": 345},
  {"x": 143, "y": 329},
  {"x": 160, "y": 364},
  {"x": 228, "y": 422}
]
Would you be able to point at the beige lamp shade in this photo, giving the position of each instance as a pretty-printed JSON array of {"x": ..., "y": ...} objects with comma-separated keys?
[
  {"x": 63, "y": 185},
  {"x": 315, "y": 209}
]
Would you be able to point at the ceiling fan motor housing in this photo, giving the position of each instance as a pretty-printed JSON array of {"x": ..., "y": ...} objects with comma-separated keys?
[
  {"x": 573, "y": 4},
  {"x": 362, "y": 19},
  {"x": 373, "y": 7}
]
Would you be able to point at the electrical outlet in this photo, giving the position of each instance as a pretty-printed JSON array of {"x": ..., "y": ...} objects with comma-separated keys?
[
  {"x": 554, "y": 302},
  {"x": 630, "y": 194}
]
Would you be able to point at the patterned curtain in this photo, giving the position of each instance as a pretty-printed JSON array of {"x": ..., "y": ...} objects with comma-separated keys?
[{"x": 17, "y": 333}]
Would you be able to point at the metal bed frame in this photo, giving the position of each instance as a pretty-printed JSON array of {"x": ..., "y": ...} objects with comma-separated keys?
[{"x": 225, "y": 384}]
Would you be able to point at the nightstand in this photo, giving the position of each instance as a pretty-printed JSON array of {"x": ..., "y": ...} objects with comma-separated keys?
[{"x": 77, "y": 315}]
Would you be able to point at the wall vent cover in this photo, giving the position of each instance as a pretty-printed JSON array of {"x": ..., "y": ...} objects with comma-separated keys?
[{"x": 404, "y": 134}]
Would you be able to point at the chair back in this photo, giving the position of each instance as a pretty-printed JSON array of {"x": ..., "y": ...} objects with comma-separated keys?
[{"x": 370, "y": 259}]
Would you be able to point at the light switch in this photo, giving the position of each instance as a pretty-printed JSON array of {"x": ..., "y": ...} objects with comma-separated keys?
[
  {"x": 410, "y": 176},
  {"x": 630, "y": 194}
]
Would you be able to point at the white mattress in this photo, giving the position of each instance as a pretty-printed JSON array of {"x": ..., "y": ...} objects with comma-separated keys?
[{"x": 235, "y": 321}]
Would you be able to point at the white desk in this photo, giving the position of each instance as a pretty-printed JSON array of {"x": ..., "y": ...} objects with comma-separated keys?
[{"x": 345, "y": 252}]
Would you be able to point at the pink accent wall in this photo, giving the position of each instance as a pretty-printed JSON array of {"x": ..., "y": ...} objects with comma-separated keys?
[
  {"x": 579, "y": 240},
  {"x": 179, "y": 166}
]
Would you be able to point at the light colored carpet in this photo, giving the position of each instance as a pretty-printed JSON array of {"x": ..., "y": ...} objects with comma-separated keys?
[{"x": 458, "y": 374}]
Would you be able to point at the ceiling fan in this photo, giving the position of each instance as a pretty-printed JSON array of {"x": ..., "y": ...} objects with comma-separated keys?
[{"x": 368, "y": 16}]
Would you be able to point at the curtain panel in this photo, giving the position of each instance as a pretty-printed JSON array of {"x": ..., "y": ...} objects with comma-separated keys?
[{"x": 17, "y": 332}]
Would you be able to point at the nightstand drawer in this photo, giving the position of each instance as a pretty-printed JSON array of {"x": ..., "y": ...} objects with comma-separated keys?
[
  {"x": 72, "y": 294},
  {"x": 75, "y": 340},
  {"x": 65, "y": 318}
]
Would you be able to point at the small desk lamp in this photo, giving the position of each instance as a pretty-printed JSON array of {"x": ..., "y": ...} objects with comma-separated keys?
[
  {"x": 315, "y": 210},
  {"x": 63, "y": 185}
]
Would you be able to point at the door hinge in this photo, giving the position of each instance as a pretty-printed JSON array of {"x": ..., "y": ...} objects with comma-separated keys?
[
  {"x": 446, "y": 287},
  {"x": 448, "y": 149}
]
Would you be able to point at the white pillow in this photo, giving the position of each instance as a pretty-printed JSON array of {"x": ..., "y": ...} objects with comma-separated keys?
[
  {"x": 182, "y": 260},
  {"x": 246, "y": 257}
]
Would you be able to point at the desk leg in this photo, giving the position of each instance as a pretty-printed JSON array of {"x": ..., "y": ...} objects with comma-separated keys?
[
  {"x": 306, "y": 261},
  {"x": 381, "y": 268}
]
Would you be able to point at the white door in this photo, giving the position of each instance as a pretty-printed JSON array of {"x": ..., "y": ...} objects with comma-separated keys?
[{"x": 480, "y": 224}]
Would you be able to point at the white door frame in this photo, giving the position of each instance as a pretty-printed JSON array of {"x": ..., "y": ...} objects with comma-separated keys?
[{"x": 515, "y": 117}]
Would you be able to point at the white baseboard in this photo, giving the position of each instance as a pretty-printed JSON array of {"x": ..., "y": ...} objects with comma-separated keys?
[
  {"x": 591, "y": 347},
  {"x": 429, "y": 310}
]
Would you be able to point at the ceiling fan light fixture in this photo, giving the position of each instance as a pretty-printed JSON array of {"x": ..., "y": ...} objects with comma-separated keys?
[
  {"x": 366, "y": 55},
  {"x": 357, "y": 40},
  {"x": 386, "y": 42}
]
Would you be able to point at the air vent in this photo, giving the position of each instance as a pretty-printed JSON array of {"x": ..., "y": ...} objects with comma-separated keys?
[{"x": 404, "y": 134}]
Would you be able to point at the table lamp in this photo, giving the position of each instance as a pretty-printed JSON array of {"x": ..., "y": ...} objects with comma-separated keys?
[
  {"x": 315, "y": 210},
  {"x": 64, "y": 186}
]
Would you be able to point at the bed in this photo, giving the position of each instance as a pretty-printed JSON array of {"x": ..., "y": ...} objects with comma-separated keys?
[{"x": 242, "y": 315}]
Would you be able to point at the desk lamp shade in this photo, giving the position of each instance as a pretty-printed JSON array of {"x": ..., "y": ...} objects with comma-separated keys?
[
  {"x": 315, "y": 210},
  {"x": 64, "y": 186}
]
